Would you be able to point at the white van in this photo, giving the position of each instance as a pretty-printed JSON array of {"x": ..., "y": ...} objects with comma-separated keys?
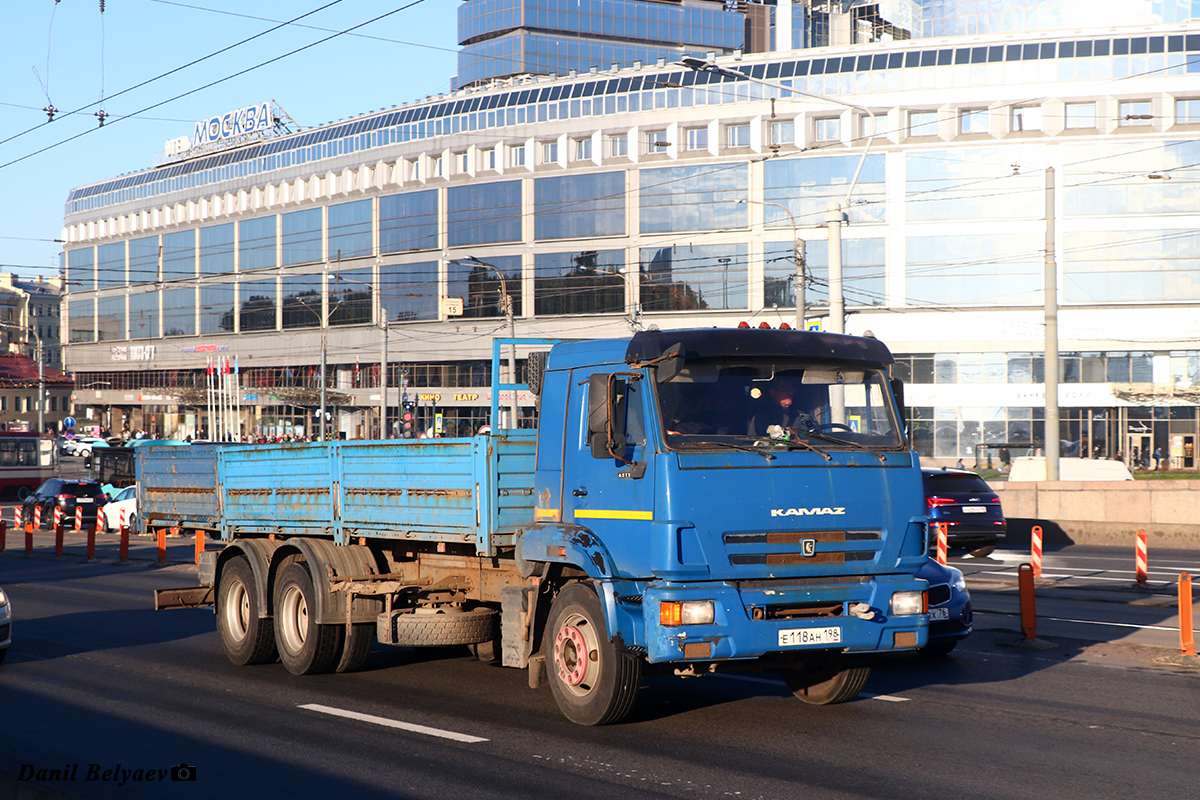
[{"x": 1033, "y": 468}]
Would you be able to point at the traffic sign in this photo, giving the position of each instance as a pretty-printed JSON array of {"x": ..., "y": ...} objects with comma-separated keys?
[{"x": 69, "y": 422}]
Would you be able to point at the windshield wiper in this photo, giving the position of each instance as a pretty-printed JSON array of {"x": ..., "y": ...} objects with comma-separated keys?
[
  {"x": 835, "y": 440},
  {"x": 802, "y": 444},
  {"x": 757, "y": 451}
]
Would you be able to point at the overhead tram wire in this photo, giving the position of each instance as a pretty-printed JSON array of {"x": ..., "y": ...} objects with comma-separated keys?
[{"x": 219, "y": 80}]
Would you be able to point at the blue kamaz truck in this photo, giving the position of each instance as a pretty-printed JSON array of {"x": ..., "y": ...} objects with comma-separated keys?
[{"x": 691, "y": 501}]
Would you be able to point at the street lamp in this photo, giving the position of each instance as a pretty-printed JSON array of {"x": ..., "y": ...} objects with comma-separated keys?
[
  {"x": 834, "y": 216},
  {"x": 798, "y": 254},
  {"x": 506, "y": 302}
]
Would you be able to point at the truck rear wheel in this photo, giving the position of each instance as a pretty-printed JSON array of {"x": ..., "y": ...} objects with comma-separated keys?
[
  {"x": 247, "y": 638},
  {"x": 356, "y": 648},
  {"x": 305, "y": 647},
  {"x": 835, "y": 680},
  {"x": 592, "y": 683}
]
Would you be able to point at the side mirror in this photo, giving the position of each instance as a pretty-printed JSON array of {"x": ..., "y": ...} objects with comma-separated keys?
[
  {"x": 670, "y": 363},
  {"x": 606, "y": 416}
]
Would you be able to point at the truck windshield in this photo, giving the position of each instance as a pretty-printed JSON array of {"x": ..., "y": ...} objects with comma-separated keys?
[{"x": 771, "y": 402}]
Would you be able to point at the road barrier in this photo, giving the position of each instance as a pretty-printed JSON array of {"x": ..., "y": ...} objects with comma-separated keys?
[
  {"x": 78, "y": 518},
  {"x": 28, "y": 539},
  {"x": 199, "y": 545},
  {"x": 91, "y": 542},
  {"x": 16, "y": 516},
  {"x": 942, "y": 542},
  {"x": 58, "y": 538},
  {"x": 3, "y": 536},
  {"x": 37, "y": 517},
  {"x": 56, "y": 518},
  {"x": 122, "y": 520},
  {"x": 162, "y": 544},
  {"x": 1035, "y": 541},
  {"x": 1142, "y": 560},
  {"x": 1187, "y": 640},
  {"x": 1028, "y": 603},
  {"x": 124, "y": 543}
]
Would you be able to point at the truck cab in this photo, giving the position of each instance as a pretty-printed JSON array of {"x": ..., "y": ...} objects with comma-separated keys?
[{"x": 734, "y": 496}]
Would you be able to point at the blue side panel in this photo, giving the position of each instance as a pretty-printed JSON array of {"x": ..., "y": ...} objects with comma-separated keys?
[
  {"x": 179, "y": 485},
  {"x": 473, "y": 491}
]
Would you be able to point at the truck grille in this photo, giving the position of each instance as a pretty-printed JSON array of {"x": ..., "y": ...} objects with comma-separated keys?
[{"x": 745, "y": 552}]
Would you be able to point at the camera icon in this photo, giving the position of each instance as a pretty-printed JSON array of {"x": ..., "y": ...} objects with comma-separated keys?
[{"x": 183, "y": 772}]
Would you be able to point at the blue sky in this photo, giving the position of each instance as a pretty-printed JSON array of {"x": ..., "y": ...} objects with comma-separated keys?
[{"x": 70, "y": 55}]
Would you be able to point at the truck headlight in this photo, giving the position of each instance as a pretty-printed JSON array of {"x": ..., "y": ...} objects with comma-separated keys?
[
  {"x": 686, "y": 612},
  {"x": 907, "y": 604}
]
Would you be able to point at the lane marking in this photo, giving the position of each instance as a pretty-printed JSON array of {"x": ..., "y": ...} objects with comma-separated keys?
[
  {"x": 393, "y": 723},
  {"x": 1084, "y": 621}
]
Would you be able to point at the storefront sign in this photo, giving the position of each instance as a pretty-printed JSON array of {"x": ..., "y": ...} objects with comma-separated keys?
[{"x": 132, "y": 352}]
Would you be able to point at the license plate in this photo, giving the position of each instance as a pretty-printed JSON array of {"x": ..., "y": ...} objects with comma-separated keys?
[
  {"x": 84, "y": 500},
  {"x": 974, "y": 509},
  {"x": 795, "y": 637},
  {"x": 936, "y": 614}
]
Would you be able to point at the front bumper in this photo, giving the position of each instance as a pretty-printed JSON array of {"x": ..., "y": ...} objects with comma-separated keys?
[{"x": 761, "y": 618}]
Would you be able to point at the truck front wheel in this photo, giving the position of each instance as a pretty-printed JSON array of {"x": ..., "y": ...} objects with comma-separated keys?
[
  {"x": 305, "y": 647},
  {"x": 592, "y": 682},
  {"x": 833, "y": 679},
  {"x": 247, "y": 638}
]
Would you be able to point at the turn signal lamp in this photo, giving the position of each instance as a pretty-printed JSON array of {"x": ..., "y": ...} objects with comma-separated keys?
[{"x": 688, "y": 612}]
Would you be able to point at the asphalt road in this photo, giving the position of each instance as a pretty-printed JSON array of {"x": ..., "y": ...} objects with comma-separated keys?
[{"x": 96, "y": 677}]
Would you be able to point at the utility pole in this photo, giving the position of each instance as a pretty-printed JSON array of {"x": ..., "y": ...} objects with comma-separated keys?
[{"x": 1051, "y": 324}]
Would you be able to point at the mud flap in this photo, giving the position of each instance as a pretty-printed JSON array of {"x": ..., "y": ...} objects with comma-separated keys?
[{"x": 517, "y": 605}]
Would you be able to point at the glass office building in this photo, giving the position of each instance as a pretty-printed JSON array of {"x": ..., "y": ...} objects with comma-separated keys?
[{"x": 615, "y": 199}]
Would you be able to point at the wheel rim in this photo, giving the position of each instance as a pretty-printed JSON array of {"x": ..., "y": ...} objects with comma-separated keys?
[
  {"x": 237, "y": 611},
  {"x": 294, "y": 624},
  {"x": 576, "y": 655}
]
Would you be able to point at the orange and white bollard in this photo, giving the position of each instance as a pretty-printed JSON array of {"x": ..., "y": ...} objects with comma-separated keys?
[
  {"x": 199, "y": 544},
  {"x": 162, "y": 545},
  {"x": 943, "y": 545},
  {"x": 78, "y": 518},
  {"x": 17, "y": 517},
  {"x": 1028, "y": 602},
  {"x": 56, "y": 518},
  {"x": 58, "y": 540},
  {"x": 1142, "y": 559},
  {"x": 1035, "y": 541},
  {"x": 123, "y": 520},
  {"x": 37, "y": 517},
  {"x": 100, "y": 523},
  {"x": 1187, "y": 639}
]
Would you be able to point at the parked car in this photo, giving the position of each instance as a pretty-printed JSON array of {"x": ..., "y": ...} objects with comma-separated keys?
[
  {"x": 950, "y": 618},
  {"x": 969, "y": 508},
  {"x": 124, "y": 502},
  {"x": 5, "y": 625},
  {"x": 82, "y": 445},
  {"x": 66, "y": 495}
]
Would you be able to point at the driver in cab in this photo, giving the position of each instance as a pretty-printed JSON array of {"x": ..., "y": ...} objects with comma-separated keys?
[{"x": 781, "y": 410}]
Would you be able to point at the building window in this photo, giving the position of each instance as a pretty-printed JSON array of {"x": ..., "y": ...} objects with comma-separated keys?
[
  {"x": 697, "y": 138},
  {"x": 583, "y": 149},
  {"x": 737, "y": 135},
  {"x": 656, "y": 142},
  {"x": 973, "y": 120},
  {"x": 549, "y": 152},
  {"x": 489, "y": 159},
  {"x": 1080, "y": 115},
  {"x": 437, "y": 167},
  {"x": 1134, "y": 113},
  {"x": 1027, "y": 118},
  {"x": 4, "y": 402},
  {"x": 922, "y": 123},
  {"x": 827, "y": 129},
  {"x": 416, "y": 170},
  {"x": 618, "y": 145},
  {"x": 783, "y": 132},
  {"x": 517, "y": 156},
  {"x": 1187, "y": 111},
  {"x": 462, "y": 163}
]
